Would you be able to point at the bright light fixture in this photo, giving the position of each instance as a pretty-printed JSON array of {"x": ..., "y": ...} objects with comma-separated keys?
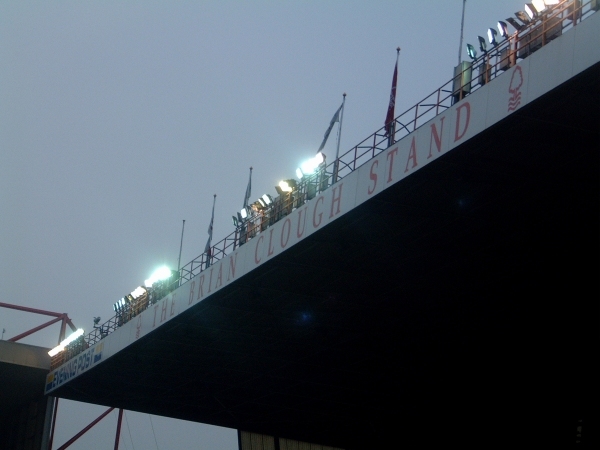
[
  {"x": 60, "y": 347},
  {"x": 471, "y": 51},
  {"x": 531, "y": 10},
  {"x": 162, "y": 273},
  {"x": 285, "y": 186},
  {"x": 539, "y": 5},
  {"x": 492, "y": 36},
  {"x": 308, "y": 167},
  {"x": 139, "y": 291},
  {"x": 523, "y": 17},
  {"x": 516, "y": 25},
  {"x": 482, "y": 45},
  {"x": 503, "y": 29}
]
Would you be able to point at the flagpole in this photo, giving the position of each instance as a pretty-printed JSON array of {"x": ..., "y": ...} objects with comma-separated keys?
[
  {"x": 462, "y": 24},
  {"x": 337, "y": 151},
  {"x": 180, "y": 246}
]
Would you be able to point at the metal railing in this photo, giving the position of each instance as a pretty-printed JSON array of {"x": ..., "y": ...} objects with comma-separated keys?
[{"x": 530, "y": 37}]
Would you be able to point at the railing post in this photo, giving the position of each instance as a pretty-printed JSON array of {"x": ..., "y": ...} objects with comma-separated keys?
[{"x": 417, "y": 114}]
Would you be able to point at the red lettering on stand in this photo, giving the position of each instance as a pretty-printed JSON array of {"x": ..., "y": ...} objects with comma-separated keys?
[
  {"x": 155, "y": 309},
  {"x": 258, "y": 241},
  {"x": 373, "y": 177},
  {"x": 315, "y": 224},
  {"x": 287, "y": 222},
  {"x": 412, "y": 155},
  {"x": 163, "y": 314},
  {"x": 336, "y": 199},
  {"x": 232, "y": 263},
  {"x": 173, "y": 304},
  {"x": 219, "y": 276},
  {"x": 210, "y": 280},
  {"x": 390, "y": 156},
  {"x": 270, "y": 249},
  {"x": 191, "y": 299},
  {"x": 467, "y": 107},
  {"x": 138, "y": 327},
  {"x": 298, "y": 232},
  {"x": 201, "y": 290},
  {"x": 437, "y": 137}
]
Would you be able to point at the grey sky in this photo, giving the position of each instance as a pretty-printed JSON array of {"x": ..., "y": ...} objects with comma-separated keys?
[{"x": 119, "y": 119}]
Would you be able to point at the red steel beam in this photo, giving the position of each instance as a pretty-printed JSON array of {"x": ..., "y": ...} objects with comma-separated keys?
[
  {"x": 33, "y": 330},
  {"x": 31, "y": 310},
  {"x": 118, "y": 428},
  {"x": 59, "y": 316},
  {"x": 82, "y": 432},
  {"x": 53, "y": 423}
]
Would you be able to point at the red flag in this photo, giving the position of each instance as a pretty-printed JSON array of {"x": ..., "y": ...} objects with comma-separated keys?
[{"x": 389, "y": 119}]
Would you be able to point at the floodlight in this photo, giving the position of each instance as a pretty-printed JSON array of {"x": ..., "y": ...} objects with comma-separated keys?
[
  {"x": 267, "y": 199},
  {"x": 243, "y": 213},
  {"x": 159, "y": 274},
  {"x": 539, "y": 5},
  {"x": 287, "y": 185},
  {"x": 308, "y": 167},
  {"x": 531, "y": 11},
  {"x": 262, "y": 202},
  {"x": 482, "y": 45},
  {"x": 471, "y": 51},
  {"x": 503, "y": 29},
  {"x": 516, "y": 25},
  {"x": 523, "y": 17},
  {"x": 235, "y": 221},
  {"x": 492, "y": 36},
  {"x": 139, "y": 291},
  {"x": 60, "y": 347}
]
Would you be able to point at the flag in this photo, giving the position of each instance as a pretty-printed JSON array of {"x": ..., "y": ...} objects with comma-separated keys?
[
  {"x": 334, "y": 119},
  {"x": 210, "y": 228},
  {"x": 389, "y": 119},
  {"x": 248, "y": 190}
]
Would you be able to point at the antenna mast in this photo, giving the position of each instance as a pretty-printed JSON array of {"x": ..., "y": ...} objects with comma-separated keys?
[{"x": 462, "y": 25}]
